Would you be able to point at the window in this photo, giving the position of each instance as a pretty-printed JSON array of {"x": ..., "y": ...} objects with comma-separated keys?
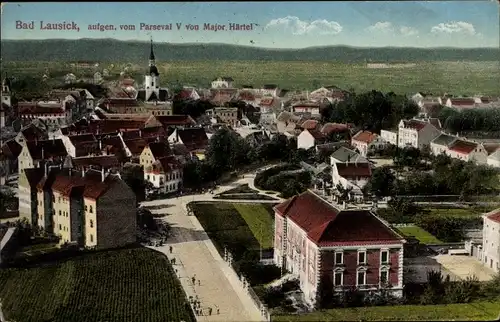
[
  {"x": 86, "y": 208},
  {"x": 384, "y": 276},
  {"x": 339, "y": 258},
  {"x": 91, "y": 238},
  {"x": 361, "y": 257},
  {"x": 60, "y": 227},
  {"x": 91, "y": 223},
  {"x": 60, "y": 213},
  {"x": 338, "y": 279},
  {"x": 384, "y": 257},
  {"x": 90, "y": 209},
  {"x": 361, "y": 278}
]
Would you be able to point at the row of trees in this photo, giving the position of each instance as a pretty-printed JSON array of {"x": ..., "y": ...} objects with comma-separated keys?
[
  {"x": 445, "y": 176},
  {"x": 482, "y": 120},
  {"x": 372, "y": 110}
]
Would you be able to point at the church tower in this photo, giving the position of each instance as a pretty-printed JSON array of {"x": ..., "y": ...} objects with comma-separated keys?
[
  {"x": 6, "y": 91},
  {"x": 152, "y": 78}
]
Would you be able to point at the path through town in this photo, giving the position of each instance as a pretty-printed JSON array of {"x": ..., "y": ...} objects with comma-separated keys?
[{"x": 196, "y": 256}]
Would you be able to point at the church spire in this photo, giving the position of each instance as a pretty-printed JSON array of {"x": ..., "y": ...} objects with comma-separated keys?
[{"x": 152, "y": 54}]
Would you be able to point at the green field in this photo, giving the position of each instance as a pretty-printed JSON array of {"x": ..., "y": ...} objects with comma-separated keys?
[
  {"x": 237, "y": 226},
  {"x": 458, "y": 78},
  {"x": 120, "y": 285},
  {"x": 479, "y": 311},
  {"x": 422, "y": 235}
]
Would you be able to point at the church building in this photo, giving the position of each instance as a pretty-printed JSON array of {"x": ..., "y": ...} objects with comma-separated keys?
[{"x": 152, "y": 92}]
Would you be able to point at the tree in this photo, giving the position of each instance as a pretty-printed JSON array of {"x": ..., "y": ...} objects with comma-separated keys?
[
  {"x": 407, "y": 157},
  {"x": 226, "y": 150},
  {"x": 382, "y": 182},
  {"x": 133, "y": 175}
]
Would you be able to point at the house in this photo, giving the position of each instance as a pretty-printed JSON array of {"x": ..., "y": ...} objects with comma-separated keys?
[
  {"x": 459, "y": 103},
  {"x": 331, "y": 249},
  {"x": 490, "y": 254},
  {"x": 91, "y": 209},
  {"x": 345, "y": 155},
  {"x": 27, "y": 193},
  {"x": 468, "y": 151},
  {"x": 288, "y": 122},
  {"x": 228, "y": 115},
  {"x": 390, "y": 136},
  {"x": 165, "y": 174},
  {"x": 33, "y": 153},
  {"x": 80, "y": 144},
  {"x": 416, "y": 133},
  {"x": 494, "y": 159},
  {"x": 270, "y": 90},
  {"x": 366, "y": 142},
  {"x": 195, "y": 140},
  {"x": 441, "y": 143},
  {"x": 55, "y": 113},
  {"x": 188, "y": 93},
  {"x": 269, "y": 105},
  {"x": 352, "y": 176},
  {"x": 307, "y": 107},
  {"x": 310, "y": 138},
  {"x": 30, "y": 133},
  {"x": 223, "y": 82},
  {"x": 173, "y": 121},
  {"x": 154, "y": 151}
]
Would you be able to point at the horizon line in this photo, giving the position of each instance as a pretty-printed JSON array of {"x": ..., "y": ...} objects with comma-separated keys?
[{"x": 248, "y": 46}]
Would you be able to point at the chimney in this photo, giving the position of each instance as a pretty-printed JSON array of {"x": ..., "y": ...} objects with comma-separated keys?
[
  {"x": 140, "y": 133},
  {"x": 83, "y": 172},
  {"x": 100, "y": 144},
  {"x": 43, "y": 154},
  {"x": 343, "y": 205},
  {"x": 102, "y": 174}
]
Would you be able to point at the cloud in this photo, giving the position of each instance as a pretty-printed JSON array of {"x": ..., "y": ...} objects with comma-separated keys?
[
  {"x": 454, "y": 27},
  {"x": 300, "y": 27},
  {"x": 408, "y": 31},
  {"x": 381, "y": 26}
]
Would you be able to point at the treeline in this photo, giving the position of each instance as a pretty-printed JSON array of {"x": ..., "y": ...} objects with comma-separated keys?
[
  {"x": 116, "y": 50},
  {"x": 483, "y": 120},
  {"x": 372, "y": 110}
]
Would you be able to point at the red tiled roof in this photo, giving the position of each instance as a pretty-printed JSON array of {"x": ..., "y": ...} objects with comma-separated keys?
[
  {"x": 136, "y": 146},
  {"x": 317, "y": 134},
  {"x": 463, "y": 147},
  {"x": 348, "y": 170},
  {"x": 326, "y": 225},
  {"x": 128, "y": 82},
  {"x": 101, "y": 161},
  {"x": 246, "y": 96},
  {"x": 94, "y": 186},
  {"x": 310, "y": 124},
  {"x": 175, "y": 120},
  {"x": 266, "y": 101},
  {"x": 494, "y": 216},
  {"x": 365, "y": 136},
  {"x": 329, "y": 128},
  {"x": 107, "y": 126},
  {"x": 65, "y": 183},
  {"x": 193, "y": 138},
  {"x": 462, "y": 101},
  {"x": 414, "y": 124},
  {"x": 486, "y": 100},
  {"x": 81, "y": 138}
]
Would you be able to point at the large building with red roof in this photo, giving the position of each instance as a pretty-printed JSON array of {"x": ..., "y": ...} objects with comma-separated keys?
[
  {"x": 330, "y": 249},
  {"x": 416, "y": 133},
  {"x": 366, "y": 142},
  {"x": 490, "y": 252}
]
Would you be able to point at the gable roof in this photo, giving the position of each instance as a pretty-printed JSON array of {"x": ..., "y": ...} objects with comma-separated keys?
[
  {"x": 344, "y": 154},
  {"x": 101, "y": 161},
  {"x": 193, "y": 138},
  {"x": 34, "y": 176},
  {"x": 11, "y": 149},
  {"x": 462, "y": 101},
  {"x": 317, "y": 135},
  {"x": 326, "y": 225},
  {"x": 136, "y": 146},
  {"x": 310, "y": 124},
  {"x": 444, "y": 139},
  {"x": 348, "y": 170},
  {"x": 334, "y": 127},
  {"x": 463, "y": 147},
  {"x": 94, "y": 186},
  {"x": 160, "y": 149},
  {"x": 32, "y": 133},
  {"x": 365, "y": 136},
  {"x": 414, "y": 124},
  {"x": 46, "y": 149}
]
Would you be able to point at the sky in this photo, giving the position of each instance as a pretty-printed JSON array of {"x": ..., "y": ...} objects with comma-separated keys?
[{"x": 274, "y": 24}]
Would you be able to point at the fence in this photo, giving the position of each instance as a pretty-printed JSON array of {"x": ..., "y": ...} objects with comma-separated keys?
[{"x": 228, "y": 258}]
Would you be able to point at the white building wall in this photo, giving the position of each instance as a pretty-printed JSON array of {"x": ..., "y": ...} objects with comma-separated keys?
[
  {"x": 305, "y": 140},
  {"x": 491, "y": 244},
  {"x": 389, "y": 136},
  {"x": 24, "y": 194}
]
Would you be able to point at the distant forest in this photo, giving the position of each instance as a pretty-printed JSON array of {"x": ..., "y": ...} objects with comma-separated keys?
[{"x": 112, "y": 50}]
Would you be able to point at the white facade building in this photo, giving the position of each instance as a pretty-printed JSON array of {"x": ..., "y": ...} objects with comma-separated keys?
[
  {"x": 490, "y": 256},
  {"x": 390, "y": 136},
  {"x": 416, "y": 133},
  {"x": 223, "y": 82}
]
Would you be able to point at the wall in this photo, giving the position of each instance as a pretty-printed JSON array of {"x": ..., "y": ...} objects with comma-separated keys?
[
  {"x": 305, "y": 140},
  {"x": 426, "y": 135},
  {"x": 116, "y": 217},
  {"x": 62, "y": 225},
  {"x": 90, "y": 219},
  {"x": 407, "y": 137},
  {"x": 389, "y": 136},
  {"x": 491, "y": 244}
]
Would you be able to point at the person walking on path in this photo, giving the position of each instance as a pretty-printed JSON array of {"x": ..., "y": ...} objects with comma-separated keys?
[
  {"x": 170, "y": 249},
  {"x": 209, "y": 311},
  {"x": 193, "y": 279},
  {"x": 199, "y": 283}
]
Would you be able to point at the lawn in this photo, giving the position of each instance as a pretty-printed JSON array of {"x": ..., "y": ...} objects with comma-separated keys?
[
  {"x": 259, "y": 221},
  {"x": 479, "y": 311},
  {"x": 237, "y": 226},
  {"x": 118, "y": 285},
  {"x": 454, "y": 212},
  {"x": 422, "y": 235},
  {"x": 242, "y": 188}
]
